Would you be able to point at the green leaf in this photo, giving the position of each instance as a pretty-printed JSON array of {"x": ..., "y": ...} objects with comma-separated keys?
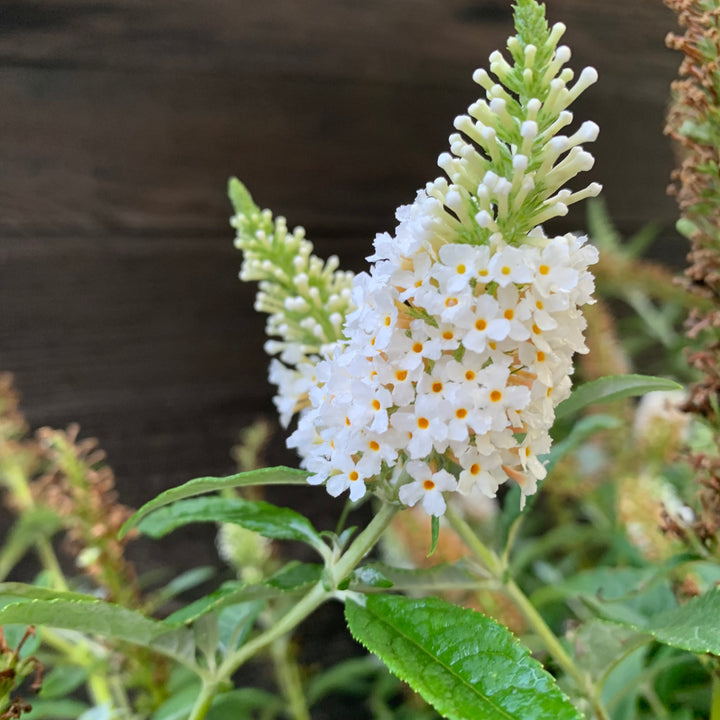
[
  {"x": 466, "y": 665},
  {"x": 257, "y": 515},
  {"x": 62, "y": 680},
  {"x": 31, "y": 525},
  {"x": 295, "y": 575},
  {"x": 94, "y": 617},
  {"x": 349, "y": 676},
  {"x": 612, "y": 387},
  {"x": 55, "y": 709},
  {"x": 625, "y": 594},
  {"x": 371, "y": 577},
  {"x": 446, "y": 576},
  {"x": 200, "y": 486},
  {"x": 179, "y": 704},
  {"x": 239, "y": 703},
  {"x": 12, "y": 592},
  {"x": 581, "y": 431},
  {"x": 182, "y": 583},
  {"x": 694, "y": 626},
  {"x": 235, "y": 623},
  {"x": 232, "y": 593}
]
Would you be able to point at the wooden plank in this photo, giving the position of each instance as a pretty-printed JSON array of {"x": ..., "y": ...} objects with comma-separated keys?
[
  {"x": 121, "y": 122},
  {"x": 130, "y": 116}
]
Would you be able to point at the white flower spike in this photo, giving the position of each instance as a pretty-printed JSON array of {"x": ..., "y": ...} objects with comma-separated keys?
[{"x": 460, "y": 343}]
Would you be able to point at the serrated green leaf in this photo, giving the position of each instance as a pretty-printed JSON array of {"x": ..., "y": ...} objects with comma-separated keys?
[
  {"x": 466, "y": 665},
  {"x": 13, "y": 592},
  {"x": 200, "y": 486},
  {"x": 30, "y": 526},
  {"x": 694, "y": 626},
  {"x": 96, "y": 617},
  {"x": 257, "y": 515},
  {"x": 612, "y": 387},
  {"x": 625, "y": 594}
]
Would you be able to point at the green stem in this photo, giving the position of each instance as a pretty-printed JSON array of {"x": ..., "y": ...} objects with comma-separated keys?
[
  {"x": 337, "y": 572},
  {"x": 288, "y": 678},
  {"x": 533, "y": 617},
  {"x": 49, "y": 560},
  {"x": 715, "y": 706}
]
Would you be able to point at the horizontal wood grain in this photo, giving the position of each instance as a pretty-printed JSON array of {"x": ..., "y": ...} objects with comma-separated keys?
[{"x": 121, "y": 121}]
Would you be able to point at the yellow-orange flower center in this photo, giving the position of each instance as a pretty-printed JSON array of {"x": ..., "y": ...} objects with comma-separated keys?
[{"x": 496, "y": 396}]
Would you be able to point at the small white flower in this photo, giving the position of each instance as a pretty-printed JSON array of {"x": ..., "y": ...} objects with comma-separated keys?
[{"x": 427, "y": 486}]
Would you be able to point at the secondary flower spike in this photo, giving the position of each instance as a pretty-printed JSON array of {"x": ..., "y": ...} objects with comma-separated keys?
[{"x": 462, "y": 339}]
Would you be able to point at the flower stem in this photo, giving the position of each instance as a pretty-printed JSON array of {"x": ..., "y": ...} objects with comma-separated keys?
[
  {"x": 337, "y": 572},
  {"x": 288, "y": 678},
  {"x": 535, "y": 620},
  {"x": 715, "y": 706}
]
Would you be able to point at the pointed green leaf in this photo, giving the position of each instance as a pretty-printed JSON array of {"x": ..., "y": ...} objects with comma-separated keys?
[
  {"x": 612, "y": 387},
  {"x": 295, "y": 575},
  {"x": 291, "y": 578},
  {"x": 694, "y": 626},
  {"x": 12, "y": 592},
  {"x": 466, "y": 665},
  {"x": 257, "y": 515},
  {"x": 200, "y": 486},
  {"x": 445, "y": 576},
  {"x": 63, "y": 680},
  {"x": 95, "y": 617}
]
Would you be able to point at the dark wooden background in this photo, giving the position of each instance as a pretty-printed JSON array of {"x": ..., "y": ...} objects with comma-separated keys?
[{"x": 121, "y": 121}]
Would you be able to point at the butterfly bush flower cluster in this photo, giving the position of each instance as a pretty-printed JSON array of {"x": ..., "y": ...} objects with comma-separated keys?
[{"x": 458, "y": 344}]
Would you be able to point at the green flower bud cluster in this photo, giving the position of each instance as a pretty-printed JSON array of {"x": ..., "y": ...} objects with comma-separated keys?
[
  {"x": 306, "y": 299},
  {"x": 507, "y": 165}
]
